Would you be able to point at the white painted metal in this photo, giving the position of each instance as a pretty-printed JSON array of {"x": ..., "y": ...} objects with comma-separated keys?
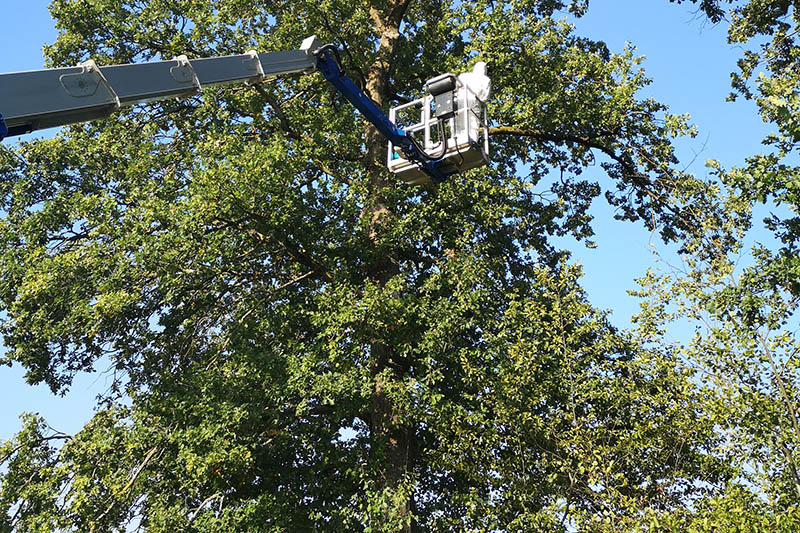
[{"x": 467, "y": 135}]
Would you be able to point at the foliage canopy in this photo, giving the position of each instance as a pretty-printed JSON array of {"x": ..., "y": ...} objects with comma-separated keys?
[{"x": 301, "y": 343}]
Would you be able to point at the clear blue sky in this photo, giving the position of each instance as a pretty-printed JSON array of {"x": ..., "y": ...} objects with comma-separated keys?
[
  {"x": 688, "y": 60},
  {"x": 28, "y": 26}
]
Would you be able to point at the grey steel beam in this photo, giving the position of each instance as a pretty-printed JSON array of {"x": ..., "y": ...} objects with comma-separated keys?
[{"x": 54, "y": 97}]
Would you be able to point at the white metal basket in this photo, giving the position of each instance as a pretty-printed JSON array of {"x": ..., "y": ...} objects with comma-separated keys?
[{"x": 467, "y": 135}]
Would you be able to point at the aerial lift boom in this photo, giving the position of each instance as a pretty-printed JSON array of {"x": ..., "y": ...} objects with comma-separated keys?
[{"x": 41, "y": 99}]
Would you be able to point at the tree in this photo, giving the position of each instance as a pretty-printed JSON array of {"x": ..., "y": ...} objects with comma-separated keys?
[
  {"x": 298, "y": 341},
  {"x": 738, "y": 283}
]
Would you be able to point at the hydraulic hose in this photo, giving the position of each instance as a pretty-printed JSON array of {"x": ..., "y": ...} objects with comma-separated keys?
[
  {"x": 419, "y": 150},
  {"x": 442, "y": 151}
]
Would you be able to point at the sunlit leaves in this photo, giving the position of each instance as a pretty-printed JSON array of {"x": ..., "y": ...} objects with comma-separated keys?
[{"x": 280, "y": 314}]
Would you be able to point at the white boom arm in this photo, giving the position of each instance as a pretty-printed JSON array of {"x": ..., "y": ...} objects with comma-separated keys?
[{"x": 41, "y": 99}]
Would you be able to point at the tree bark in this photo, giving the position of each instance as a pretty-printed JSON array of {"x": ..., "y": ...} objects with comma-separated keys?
[{"x": 391, "y": 439}]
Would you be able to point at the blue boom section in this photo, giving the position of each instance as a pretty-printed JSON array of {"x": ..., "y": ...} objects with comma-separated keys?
[{"x": 331, "y": 70}]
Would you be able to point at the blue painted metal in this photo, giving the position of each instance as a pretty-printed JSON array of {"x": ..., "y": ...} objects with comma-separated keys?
[
  {"x": 3, "y": 128},
  {"x": 330, "y": 69}
]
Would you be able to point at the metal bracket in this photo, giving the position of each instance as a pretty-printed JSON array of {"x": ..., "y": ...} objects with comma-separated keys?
[
  {"x": 254, "y": 63},
  {"x": 310, "y": 45},
  {"x": 84, "y": 83},
  {"x": 183, "y": 72}
]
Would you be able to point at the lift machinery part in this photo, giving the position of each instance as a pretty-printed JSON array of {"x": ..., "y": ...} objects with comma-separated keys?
[
  {"x": 443, "y": 90},
  {"x": 329, "y": 65},
  {"x": 56, "y": 97},
  {"x": 41, "y": 99}
]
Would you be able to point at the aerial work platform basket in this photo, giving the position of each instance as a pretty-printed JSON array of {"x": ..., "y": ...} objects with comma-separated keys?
[{"x": 466, "y": 133}]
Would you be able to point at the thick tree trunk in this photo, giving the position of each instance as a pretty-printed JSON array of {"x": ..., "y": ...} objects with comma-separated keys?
[{"x": 391, "y": 439}]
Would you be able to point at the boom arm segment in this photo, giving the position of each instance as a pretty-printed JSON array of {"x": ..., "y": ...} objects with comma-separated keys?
[
  {"x": 327, "y": 62},
  {"x": 55, "y": 97}
]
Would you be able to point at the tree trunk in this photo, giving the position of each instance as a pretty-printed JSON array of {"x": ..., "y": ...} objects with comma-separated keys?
[{"x": 391, "y": 440}]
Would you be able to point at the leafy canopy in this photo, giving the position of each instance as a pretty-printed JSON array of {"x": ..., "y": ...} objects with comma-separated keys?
[{"x": 300, "y": 342}]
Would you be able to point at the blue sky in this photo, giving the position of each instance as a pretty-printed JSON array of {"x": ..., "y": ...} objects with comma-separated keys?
[
  {"x": 689, "y": 62},
  {"x": 27, "y": 27}
]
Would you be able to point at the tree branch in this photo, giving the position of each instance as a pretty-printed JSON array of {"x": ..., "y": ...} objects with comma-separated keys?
[
  {"x": 60, "y": 436},
  {"x": 276, "y": 106},
  {"x": 130, "y": 483},
  {"x": 588, "y": 141},
  {"x": 200, "y": 507}
]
